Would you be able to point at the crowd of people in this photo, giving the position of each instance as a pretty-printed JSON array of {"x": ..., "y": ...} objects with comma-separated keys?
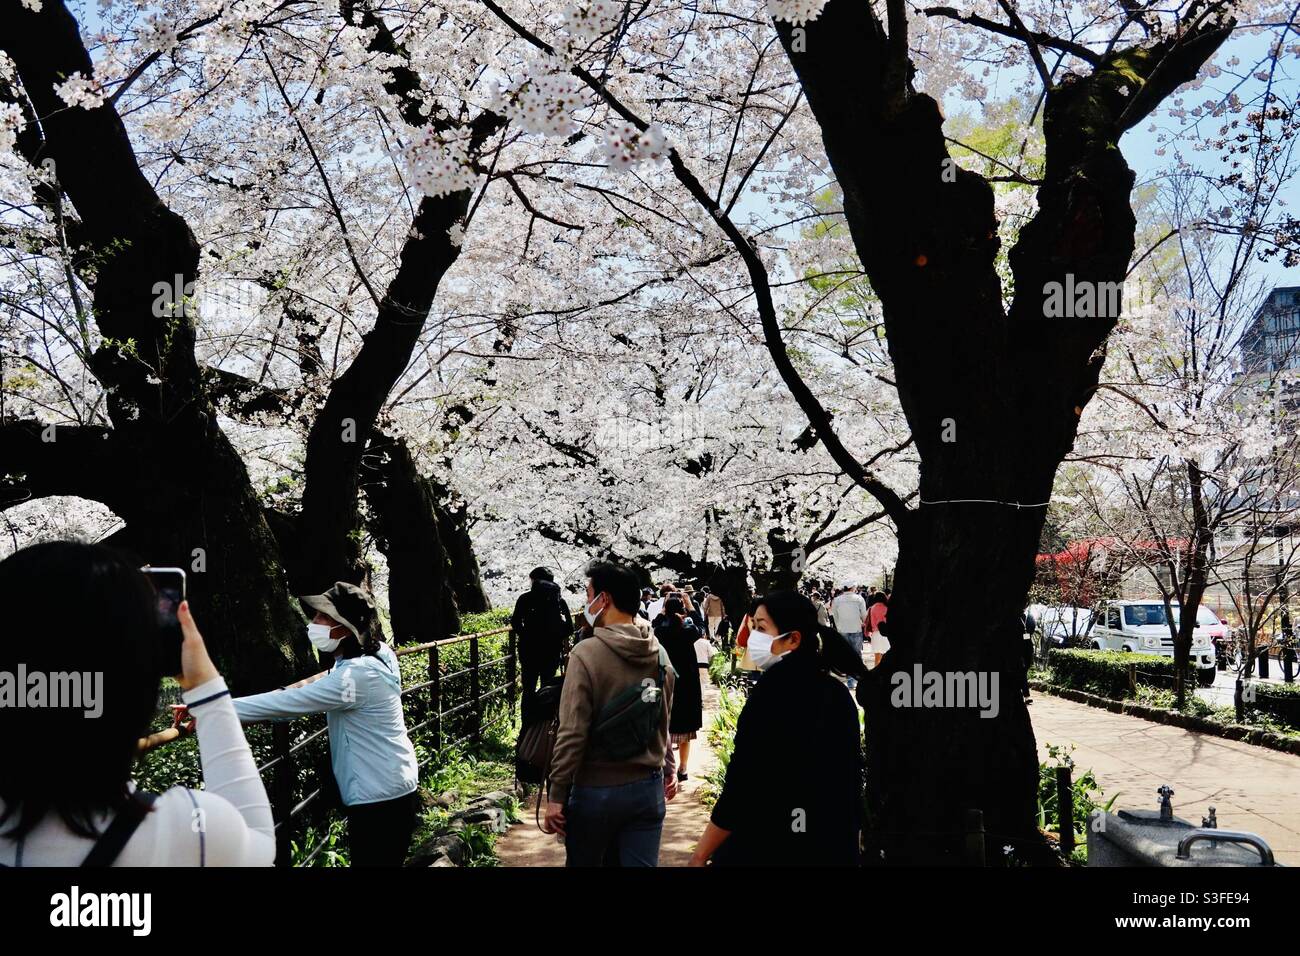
[
  {"x": 792, "y": 792},
  {"x": 628, "y": 681}
]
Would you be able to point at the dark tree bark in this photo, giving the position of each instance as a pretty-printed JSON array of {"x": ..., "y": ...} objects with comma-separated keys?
[
  {"x": 928, "y": 244},
  {"x": 786, "y": 568},
  {"x": 330, "y": 546},
  {"x": 404, "y": 521},
  {"x": 1198, "y": 570},
  {"x": 430, "y": 591},
  {"x": 187, "y": 487},
  {"x": 466, "y": 577}
]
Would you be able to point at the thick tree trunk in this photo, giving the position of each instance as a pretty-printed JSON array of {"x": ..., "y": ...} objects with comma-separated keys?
[
  {"x": 466, "y": 578},
  {"x": 178, "y": 484},
  {"x": 993, "y": 396},
  {"x": 786, "y": 568},
  {"x": 404, "y": 521},
  {"x": 959, "y": 587}
]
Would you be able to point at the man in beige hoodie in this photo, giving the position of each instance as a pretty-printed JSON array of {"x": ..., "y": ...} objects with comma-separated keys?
[{"x": 610, "y": 810}]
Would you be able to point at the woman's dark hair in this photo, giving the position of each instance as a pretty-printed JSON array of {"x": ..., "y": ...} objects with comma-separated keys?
[
  {"x": 86, "y": 612},
  {"x": 791, "y": 611},
  {"x": 674, "y": 605},
  {"x": 877, "y": 598},
  {"x": 372, "y": 635}
]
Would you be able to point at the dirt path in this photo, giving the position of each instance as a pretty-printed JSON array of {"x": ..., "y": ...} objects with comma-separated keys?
[
  {"x": 525, "y": 845},
  {"x": 1253, "y": 788}
]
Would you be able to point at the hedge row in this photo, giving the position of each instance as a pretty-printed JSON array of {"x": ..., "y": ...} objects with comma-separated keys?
[
  {"x": 1280, "y": 701},
  {"x": 1106, "y": 672}
]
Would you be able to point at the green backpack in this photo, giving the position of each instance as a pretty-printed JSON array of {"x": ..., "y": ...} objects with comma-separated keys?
[{"x": 626, "y": 725}]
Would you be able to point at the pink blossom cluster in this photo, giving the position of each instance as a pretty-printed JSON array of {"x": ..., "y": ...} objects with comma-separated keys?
[
  {"x": 797, "y": 12},
  {"x": 544, "y": 103},
  {"x": 594, "y": 20},
  {"x": 437, "y": 168},
  {"x": 625, "y": 145}
]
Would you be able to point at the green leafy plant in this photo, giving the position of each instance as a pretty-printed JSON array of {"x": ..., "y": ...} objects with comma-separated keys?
[
  {"x": 1086, "y": 795},
  {"x": 333, "y": 853},
  {"x": 721, "y": 736}
]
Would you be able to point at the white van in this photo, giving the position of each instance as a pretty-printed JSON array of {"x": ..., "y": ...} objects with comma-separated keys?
[{"x": 1140, "y": 627}]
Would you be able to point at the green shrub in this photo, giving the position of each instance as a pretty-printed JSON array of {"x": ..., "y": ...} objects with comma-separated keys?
[
  {"x": 719, "y": 668},
  {"x": 721, "y": 736},
  {"x": 485, "y": 621},
  {"x": 1086, "y": 795},
  {"x": 1106, "y": 672},
  {"x": 1278, "y": 701}
]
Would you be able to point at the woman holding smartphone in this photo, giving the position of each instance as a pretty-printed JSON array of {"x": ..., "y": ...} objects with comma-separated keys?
[
  {"x": 361, "y": 696},
  {"x": 66, "y": 793}
]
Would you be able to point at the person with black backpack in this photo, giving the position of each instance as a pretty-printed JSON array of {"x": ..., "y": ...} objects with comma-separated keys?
[
  {"x": 542, "y": 625},
  {"x": 612, "y": 768}
]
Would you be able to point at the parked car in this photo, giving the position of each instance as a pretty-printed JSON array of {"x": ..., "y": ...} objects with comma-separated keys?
[
  {"x": 1061, "y": 626},
  {"x": 1140, "y": 627}
]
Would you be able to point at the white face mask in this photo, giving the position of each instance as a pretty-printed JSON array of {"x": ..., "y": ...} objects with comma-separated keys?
[
  {"x": 760, "y": 649},
  {"x": 319, "y": 635},
  {"x": 591, "y": 618}
]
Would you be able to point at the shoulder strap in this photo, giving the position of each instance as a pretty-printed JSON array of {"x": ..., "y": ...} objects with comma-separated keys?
[{"x": 110, "y": 844}]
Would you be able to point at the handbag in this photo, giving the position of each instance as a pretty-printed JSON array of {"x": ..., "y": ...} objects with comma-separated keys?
[
  {"x": 536, "y": 744},
  {"x": 537, "y": 736}
]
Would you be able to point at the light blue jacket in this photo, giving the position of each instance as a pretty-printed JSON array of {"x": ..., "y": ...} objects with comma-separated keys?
[{"x": 370, "y": 753}]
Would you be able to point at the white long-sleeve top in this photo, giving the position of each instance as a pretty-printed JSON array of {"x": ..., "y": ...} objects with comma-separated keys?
[{"x": 228, "y": 823}]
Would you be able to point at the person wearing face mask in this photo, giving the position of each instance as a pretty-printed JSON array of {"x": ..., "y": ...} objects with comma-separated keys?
[
  {"x": 793, "y": 791},
  {"x": 612, "y": 768},
  {"x": 361, "y": 696}
]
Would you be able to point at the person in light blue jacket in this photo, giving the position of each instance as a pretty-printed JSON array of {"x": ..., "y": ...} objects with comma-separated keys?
[{"x": 361, "y": 697}]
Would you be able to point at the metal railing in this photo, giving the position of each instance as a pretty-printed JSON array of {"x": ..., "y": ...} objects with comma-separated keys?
[{"x": 428, "y": 709}]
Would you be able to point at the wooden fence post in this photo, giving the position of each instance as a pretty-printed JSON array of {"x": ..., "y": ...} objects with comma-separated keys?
[
  {"x": 1065, "y": 810},
  {"x": 283, "y": 789},
  {"x": 435, "y": 696},
  {"x": 1133, "y": 679},
  {"x": 512, "y": 669},
  {"x": 474, "y": 690}
]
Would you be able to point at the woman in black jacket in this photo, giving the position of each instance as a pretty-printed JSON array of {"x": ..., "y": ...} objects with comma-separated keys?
[
  {"x": 678, "y": 634},
  {"x": 793, "y": 793}
]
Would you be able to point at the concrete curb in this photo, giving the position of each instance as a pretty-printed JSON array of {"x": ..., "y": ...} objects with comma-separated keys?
[{"x": 1159, "y": 715}]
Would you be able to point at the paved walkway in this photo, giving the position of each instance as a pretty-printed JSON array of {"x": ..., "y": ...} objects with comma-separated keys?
[
  {"x": 525, "y": 845},
  {"x": 1253, "y": 788}
]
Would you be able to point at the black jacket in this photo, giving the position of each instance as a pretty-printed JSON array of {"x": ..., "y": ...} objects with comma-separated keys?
[
  {"x": 793, "y": 793},
  {"x": 542, "y": 623},
  {"x": 678, "y": 639}
]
